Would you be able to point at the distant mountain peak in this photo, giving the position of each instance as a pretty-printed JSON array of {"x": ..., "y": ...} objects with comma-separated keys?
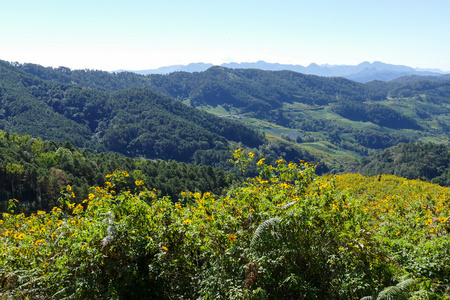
[{"x": 363, "y": 72}]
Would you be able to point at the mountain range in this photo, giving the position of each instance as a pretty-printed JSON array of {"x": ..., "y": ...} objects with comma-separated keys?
[
  {"x": 363, "y": 72},
  {"x": 165, "y": 116}
]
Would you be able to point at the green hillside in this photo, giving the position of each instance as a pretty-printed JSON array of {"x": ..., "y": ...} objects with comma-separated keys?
[
  {"x": 429, "y": 162},
  {"x": 136, "y": 122},
  {"x": 35, "y": 171},
  {"x": 331, "y": 118}
]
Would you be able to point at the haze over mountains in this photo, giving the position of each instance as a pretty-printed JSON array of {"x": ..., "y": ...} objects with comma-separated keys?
[{"x": 363, "y": 72}]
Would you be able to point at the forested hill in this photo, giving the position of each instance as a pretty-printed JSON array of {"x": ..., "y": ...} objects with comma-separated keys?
[
  {"x": 134, "y": 122},
  {"x": 327, "y": 117},
  {"x": 248, "y": 89},
  {"x": 34, "y": 171},
  {"x": 429, "y": 162}
]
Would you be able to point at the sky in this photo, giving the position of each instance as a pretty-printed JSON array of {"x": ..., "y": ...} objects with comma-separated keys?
[{"x": 145, "y": 34}]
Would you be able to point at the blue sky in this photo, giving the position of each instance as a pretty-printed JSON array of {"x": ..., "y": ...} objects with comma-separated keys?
[{"x": 145, "y": 34}]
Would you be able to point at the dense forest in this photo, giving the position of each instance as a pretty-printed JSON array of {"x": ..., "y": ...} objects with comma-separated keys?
[
  {"x": 35, "y": 171},
  {"x": 136, "y": 122},
  {"x": 428, "y": 162},
  {"x": 357, "y": 118}
]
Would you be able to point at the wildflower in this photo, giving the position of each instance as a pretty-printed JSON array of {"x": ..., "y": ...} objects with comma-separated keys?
[
  {"x": 261, "y": 161},
  {"x": 84, "y": 246},
  {"x": 39, "y": 242},
  {"x": 149, "y": 237},
  {"x": 428, "y": 222},
  {"x": 108, "y": 175},
  {"x": 40, "y": 212},
  {"x": 251, "y": 154},
  {"x": 188, "y": 221},
  {"x": 165, "y": 248},
  {"x": 19, "y": 236},
  {"x": 232, "y": 238},
  {"x": 73, "y": 195},
  {"x": 69, "y": 188},
  {"x": 91, "y": 196}
]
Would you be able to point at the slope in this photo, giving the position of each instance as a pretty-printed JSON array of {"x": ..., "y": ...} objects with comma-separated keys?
[{"x": 134, "y": 122}]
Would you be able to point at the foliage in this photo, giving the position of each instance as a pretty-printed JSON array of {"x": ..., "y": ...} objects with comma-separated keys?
[
  {"x": 135, "y": 122},
  {"x": 34, "y": 171},
  {"x": 115, "y": 111},
  {"x": 285, "y": 233},
  {"x": 425, "y": 161}
]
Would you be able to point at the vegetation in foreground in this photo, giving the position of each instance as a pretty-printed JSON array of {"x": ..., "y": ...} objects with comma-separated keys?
[{"x": 285, "y": 234}]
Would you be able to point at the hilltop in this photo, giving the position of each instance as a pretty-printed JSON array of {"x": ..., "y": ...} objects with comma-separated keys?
[{"x": 363, "y": 72}]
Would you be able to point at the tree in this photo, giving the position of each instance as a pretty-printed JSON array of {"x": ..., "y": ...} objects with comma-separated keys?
[{"x": 13, "y": 171}]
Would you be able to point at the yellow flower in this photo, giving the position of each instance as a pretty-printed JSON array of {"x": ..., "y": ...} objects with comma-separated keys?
[
  {"x": 84, "y": 246},
  {"x": 108, "y": 175},
  {"x": 73, "y": 195},
  {"x": 251, "y": 154},
  {"x": 91, "y": 196},
  {"x": 165, "y": 248},
  {"x": 188, "y": 221},
  {"x": 428, "y": 222},
  {"x": 261, "y": 161},
  {"x": 38, "y": 242},
  {"x": 232, "y": 238},
  {"x": 69, "y": 188}
]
